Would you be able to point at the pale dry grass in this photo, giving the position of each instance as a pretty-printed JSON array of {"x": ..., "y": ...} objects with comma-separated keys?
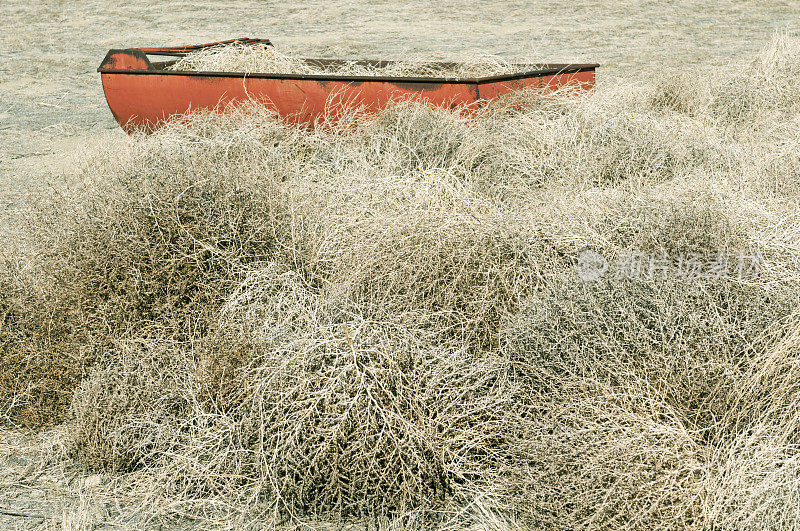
[
  {"x": 380, "y": 320},
  {"x": 281, "y": 60}
]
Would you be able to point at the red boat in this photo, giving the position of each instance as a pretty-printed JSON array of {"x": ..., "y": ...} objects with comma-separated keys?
[{"x": 142, "y": 94}]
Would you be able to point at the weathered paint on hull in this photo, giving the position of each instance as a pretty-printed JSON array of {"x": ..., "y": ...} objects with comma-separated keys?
[{"x": 142, "y": 95}]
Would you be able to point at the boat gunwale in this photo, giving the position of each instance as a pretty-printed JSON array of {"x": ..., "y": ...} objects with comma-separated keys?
[{"x": 548, "y": 69}]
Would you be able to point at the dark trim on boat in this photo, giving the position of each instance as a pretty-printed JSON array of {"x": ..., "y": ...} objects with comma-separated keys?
[{"x": 545, "y": 70}]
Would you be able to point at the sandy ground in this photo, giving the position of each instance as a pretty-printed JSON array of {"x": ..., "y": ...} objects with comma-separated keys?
[
  {"x": 51, "y": 102},
  {"x": 52, "y": 107},
  {"x": 38, "y": 492}
]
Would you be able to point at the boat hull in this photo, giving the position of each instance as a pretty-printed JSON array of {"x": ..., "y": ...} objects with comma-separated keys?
[{"x": 142, "y": 95}]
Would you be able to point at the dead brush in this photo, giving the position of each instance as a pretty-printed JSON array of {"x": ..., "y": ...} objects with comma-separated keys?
[
  {"x": 42, "y": 354},
  {"x": 603, "y": 140},
  {"x": 755, "y": 480},
  {"x": 270, "y": 59},
  {"x": 153, "y": 239},
  {"x": 682, "y": 339},
  {"x": 384, "y": 321},
  {"x": 344, "y": 426},
  {"x": 331, "y": 415},
  {"x": 126, "y": 411},
  {"x": 410, "y": 137},
  {"x": 667, "y": 336},
  {"x": 363, "y": 410},
  {"x": 673, "y": 227},
  {"x": 600, "y": 458},
  {"x": 459, "y": 276},
  {"x": 769, "y": 393},
  {"x": 681, "y": 93},
  {"x": 766, "y": 92}
]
